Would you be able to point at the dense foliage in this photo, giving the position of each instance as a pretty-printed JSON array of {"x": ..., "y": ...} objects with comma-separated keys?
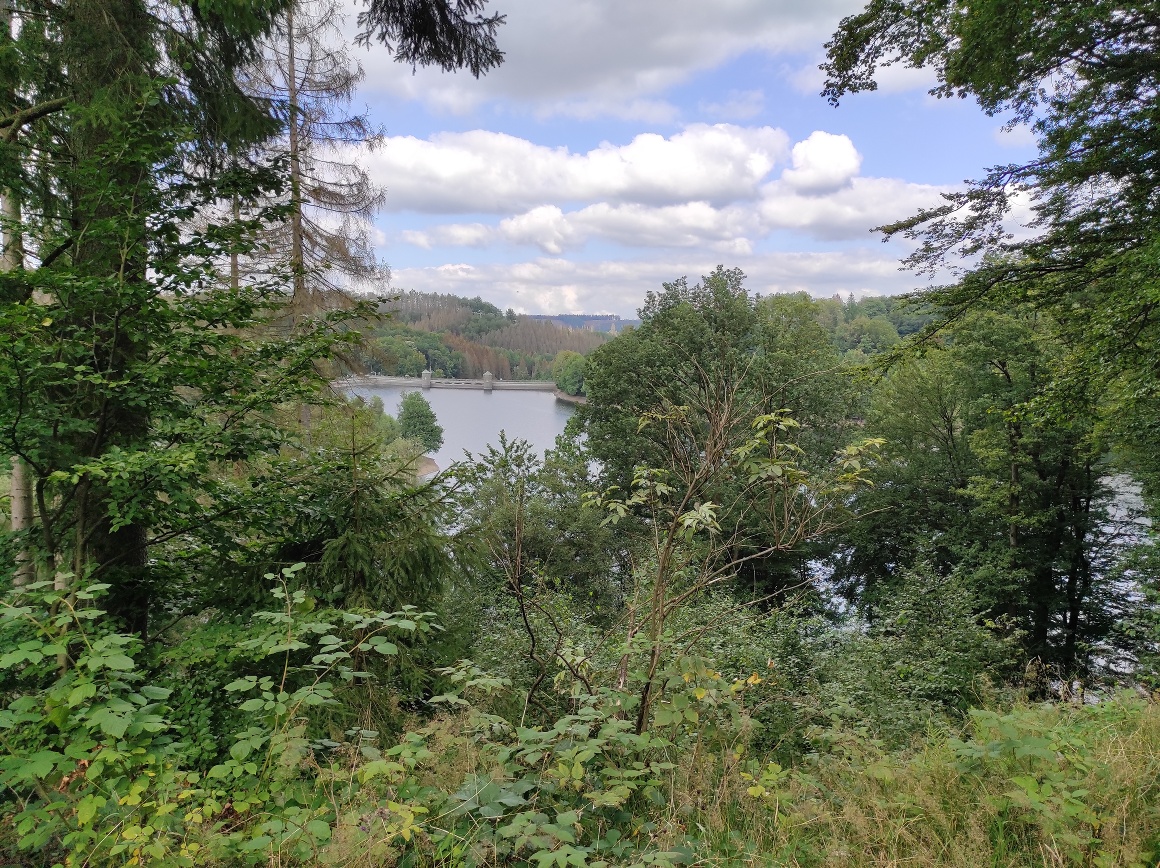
[
  {"x": 1083, "y": 76},
  {"x": 805, "y": 582},
  {"x": 417, "y": 422}
]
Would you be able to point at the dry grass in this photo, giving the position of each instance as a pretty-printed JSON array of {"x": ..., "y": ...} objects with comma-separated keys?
[
  {"x": 926, "y": 807},
  {"x": 856, "y": 804}
]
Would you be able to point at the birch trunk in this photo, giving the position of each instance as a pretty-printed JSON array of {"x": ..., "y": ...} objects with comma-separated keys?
[{"x": 12, "y": 259}]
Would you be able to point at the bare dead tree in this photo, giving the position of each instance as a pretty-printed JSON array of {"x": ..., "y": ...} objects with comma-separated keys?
[{"x": 327, "y": 240}]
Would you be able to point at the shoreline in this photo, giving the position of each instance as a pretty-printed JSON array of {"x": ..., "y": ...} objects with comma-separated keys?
[
  {"x": 570, "y": 399},
  {"x": 419, "y": 384},
  {"x": 425, "y": 466}
]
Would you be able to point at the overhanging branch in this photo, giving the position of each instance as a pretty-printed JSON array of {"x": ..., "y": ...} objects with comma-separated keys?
[{"x": 14, "y": 122}]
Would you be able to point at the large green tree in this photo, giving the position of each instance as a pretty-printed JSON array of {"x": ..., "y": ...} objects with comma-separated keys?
[
  {"x": 706, "y": 362},
  {"x": 976, "y": 481},
  {"x": 713, "y": 349},
  {"x": 128, "y": 108},
  {"x": 126, "y": 367},
  {"x": 1085, "y": 77},
  {"x": 417, "y": 422}
]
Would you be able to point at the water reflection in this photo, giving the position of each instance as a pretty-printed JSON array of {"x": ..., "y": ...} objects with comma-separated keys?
[{"x": 473, "y": 418}]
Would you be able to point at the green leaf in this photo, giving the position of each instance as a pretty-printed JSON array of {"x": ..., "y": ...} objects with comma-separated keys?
[
  {"x": 87, "y": 808},
  {"x": 39, "y": 765},
  {"x": 83, "y": 691},
  {"x": 111, "y": 723},
  {"x": 240, "y": 750},
  {"x": 320, "y": 829},
  {"x": 119, "y": 662}
]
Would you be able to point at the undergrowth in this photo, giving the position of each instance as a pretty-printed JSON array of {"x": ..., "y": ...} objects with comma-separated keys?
[{"x": 96, "y": 771}]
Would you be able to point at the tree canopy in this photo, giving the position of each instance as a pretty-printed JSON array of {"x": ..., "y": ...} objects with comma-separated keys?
[
  {"x": 417, "y": 422},
  {"x": 1084, "y": 77}
]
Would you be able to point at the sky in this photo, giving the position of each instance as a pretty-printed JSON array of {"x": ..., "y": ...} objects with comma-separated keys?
[{"x": 626, "y": 143}]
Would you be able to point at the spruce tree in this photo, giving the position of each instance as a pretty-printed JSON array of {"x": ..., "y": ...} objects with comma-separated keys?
[
  {"x": 326, "y": 242},
  {"x": 125, "y": 371}
]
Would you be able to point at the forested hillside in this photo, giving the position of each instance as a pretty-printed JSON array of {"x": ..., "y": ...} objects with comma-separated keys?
[
  {"x": 465, "y": 337},
  {"x": 805, "y": 582}
]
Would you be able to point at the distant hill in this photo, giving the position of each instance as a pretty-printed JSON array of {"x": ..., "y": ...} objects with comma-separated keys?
[
  {"x": 610, "y": 323},
  {"x": 464, "y": 337}
]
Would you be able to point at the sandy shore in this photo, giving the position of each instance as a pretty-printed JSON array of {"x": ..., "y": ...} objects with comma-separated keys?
[
  {"x": 570, "y": 399},
  {"x": 425, "y": 466}
]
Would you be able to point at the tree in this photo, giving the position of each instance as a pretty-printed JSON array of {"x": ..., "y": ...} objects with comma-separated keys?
[
  {"x": 118, "y": 117},
  {"x": 325, "y": 242},
  {"x": 568, "y": 371},
  {"x": 122, "y": 120},
  {"x": 866, "y": 335},
  {"x": 721, "y": 360},
  {"x": 1084, "y": 75},
  {"x": 701, "y": 345},
  {"x": 450, "y": 34},
  {"x": 978, "y": 482},
  {"x": 417, "y": 422}
]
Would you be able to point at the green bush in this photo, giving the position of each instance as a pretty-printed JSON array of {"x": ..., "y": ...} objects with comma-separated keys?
[
  {"x": 417, "y": 422},
  {"x": 568, "y": 372}
]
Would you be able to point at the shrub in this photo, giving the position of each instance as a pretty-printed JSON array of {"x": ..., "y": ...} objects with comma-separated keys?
[{"x": 417, "y": 422}]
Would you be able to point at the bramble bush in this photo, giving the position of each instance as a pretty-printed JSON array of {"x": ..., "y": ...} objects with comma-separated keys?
[{"x": 94, "y": 770}]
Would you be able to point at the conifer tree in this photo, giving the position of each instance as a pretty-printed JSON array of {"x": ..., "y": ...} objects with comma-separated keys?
[
  {"x": 326, "y": 243},
  {"x": 120, "y": 124}
]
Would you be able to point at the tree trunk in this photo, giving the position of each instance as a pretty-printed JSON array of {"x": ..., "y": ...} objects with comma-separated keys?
[
  {"x": 22, "y": 521},
  {"x": 109, "y": 45},
  {"x": 235, "y": 269},
  {"x": 12, "y": 258},
  {"x": 297, "y": 255}
]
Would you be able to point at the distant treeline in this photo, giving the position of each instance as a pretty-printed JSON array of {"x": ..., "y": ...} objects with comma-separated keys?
[
  {"x": 454, "y": 336},
  {"x": 466, "y": 337},
  {"x": 589, "y": 322}
]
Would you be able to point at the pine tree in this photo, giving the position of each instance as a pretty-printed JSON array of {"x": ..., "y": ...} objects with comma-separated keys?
[
  {"x": 326, "y": 244},
  {"x": 121, "y": 122}
]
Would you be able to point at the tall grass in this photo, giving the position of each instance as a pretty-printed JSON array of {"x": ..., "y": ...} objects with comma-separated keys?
[{"x": 1031, "y": 786}]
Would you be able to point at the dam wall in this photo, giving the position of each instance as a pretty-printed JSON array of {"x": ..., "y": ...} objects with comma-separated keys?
[{"x": 487, "y": 383}]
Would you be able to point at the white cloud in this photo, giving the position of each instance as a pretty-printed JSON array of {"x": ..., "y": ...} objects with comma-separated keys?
[
  {"x": 896, "y": 78},
  {"x": 545, "y": 226},
  {"x": 418, "y": 239},
  {"x": 556, "y": 285},
  {"x": 823, "y": 163},
  {"x": 450, "y": 235},
  {"x": 687, "y": 225},
  {"x": 848, "y": 213},
  {"x": 604, "y": 53},
  {"x": 487, "y": 172},
  {"x": 705, "y": 187}
]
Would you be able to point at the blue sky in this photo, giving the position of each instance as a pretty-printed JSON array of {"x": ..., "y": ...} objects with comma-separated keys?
[{"x": 627, "y": 143}]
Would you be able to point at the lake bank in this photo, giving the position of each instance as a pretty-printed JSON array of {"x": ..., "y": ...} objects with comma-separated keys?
[
  {"x": 570, "y": 399},
  {"x": 379, "y": 381}
]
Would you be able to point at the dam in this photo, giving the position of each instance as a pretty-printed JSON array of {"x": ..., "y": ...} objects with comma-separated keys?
[{"x": 487, "y": 383}]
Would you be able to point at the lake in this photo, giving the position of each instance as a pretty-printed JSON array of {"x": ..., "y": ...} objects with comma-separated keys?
[{"x": 473, "y": 418}]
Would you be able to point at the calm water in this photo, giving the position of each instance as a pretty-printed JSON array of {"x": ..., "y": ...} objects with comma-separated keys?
[{"x": 473, "y": 418}]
